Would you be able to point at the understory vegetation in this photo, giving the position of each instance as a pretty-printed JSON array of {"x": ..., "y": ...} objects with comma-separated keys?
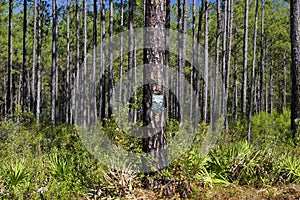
[{"x": 38, "y": 162}]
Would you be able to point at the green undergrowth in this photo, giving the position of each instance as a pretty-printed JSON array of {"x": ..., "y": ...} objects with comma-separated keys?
[{"x": 42, "y": 162}]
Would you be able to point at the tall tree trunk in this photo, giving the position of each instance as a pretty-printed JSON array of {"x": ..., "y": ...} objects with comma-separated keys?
[
  {"x": 182, "y": 60},
  {"x": 93, "y": 112},
  {"x": 84, "y": 107},
  {"x": 179, "y": 55},
  {"x": 205, "y": 79},
  {"x": 218, "y": 36},
  {"x": 224, "y": 49},
  {"x": 228, "y": 58},
  {"x": 103, "y": 64},
  {"x": 155, "y": 143},
  {"x": 32, "y": 91},
  {"x": 68, "y": 68},
  {"x": 121, "y": 100},
  {"x": 76, "y": 110},
  {"x": 24, "y": 72},
  {"x": 130, "y": 58},
  {"x": 54, "y": 64},
  {"x": 39, "y": 54},
  {"x": 271, "y": 83},
  {"x": 193, "y": 65},
  {"x": 110, "y": 73},
  {"x": 262, "y": 60},
  {"x": 9, "y": 101},
  {"x": 235, "y": 84},
  {"x": 252, "y": 86},
  {"x": 295, "y": 67},
  {"x": 245, "y": 67}
]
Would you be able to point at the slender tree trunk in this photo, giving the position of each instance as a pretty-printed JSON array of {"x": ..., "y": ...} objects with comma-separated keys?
[
  {"x": 224, "y": 49},
  {"x": 24, "y": 75},
  {"x": 39, "y": 54},
  {"x": 252, "y": 86},
  {"x": 218, "y": 36},
  {"x": 235, "y": 85},
  {"x": 93, "y": 112},
  {"x": 271, "y": 83},
  {"x": 121, "y": 59},
  {"x": 193, "y": 65},
  {"x": 110, "y": 73},
  {"x": 182, "y": 60},
  {"x": 284, "y": 81},
  {"x": 179, "y": 56},
  {"x": 103, "y": 64},
  {"x": 155, "y": 143},
  {"x": 262, "y": 60},
  {"x": 205, "y": 80},
  {"x": 68, "y": 67},
  {"x": 32, "y": 91},
  {"x": 54, "y": 64},
  {"x": 245, "y": 60},
  {"x": 228, "y": 58},
  {"x": 130, "y": 58},
  {"x": 84, "y": 106},
  {"x": 76, "y": 91},
  {"x": 9, "y": 101}
]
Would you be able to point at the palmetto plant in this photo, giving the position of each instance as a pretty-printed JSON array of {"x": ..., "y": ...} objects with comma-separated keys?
[
  {"x": 291, "y": 169},
  {"x": 16, "y": 174},
  {"x": 60, "y": 166}
]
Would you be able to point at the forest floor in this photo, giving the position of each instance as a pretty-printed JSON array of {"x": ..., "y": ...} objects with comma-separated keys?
[{"x": 230, "y": 192}]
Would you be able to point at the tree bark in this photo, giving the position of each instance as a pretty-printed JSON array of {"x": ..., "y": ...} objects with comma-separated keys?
[
  {"x": 295, "y": 67},
  {"x": 68, "y": 67},
  {"x": 205, "y": 79},
  {"x": 155, "y": 143},
  {"x": 284, "y": 81}
]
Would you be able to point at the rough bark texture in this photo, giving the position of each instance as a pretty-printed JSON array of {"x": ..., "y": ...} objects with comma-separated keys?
[
  {"x": 154, "y": 81},
  {"x": 102, "y": 103},
  {"x": 295, "y": 67},
  {"x": 68, "y": 67}
]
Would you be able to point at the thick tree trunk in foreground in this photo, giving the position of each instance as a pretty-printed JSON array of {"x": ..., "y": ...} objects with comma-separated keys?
[
  {"x": 154, "y": 109},
  {"x": 295, "y": 67}
]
